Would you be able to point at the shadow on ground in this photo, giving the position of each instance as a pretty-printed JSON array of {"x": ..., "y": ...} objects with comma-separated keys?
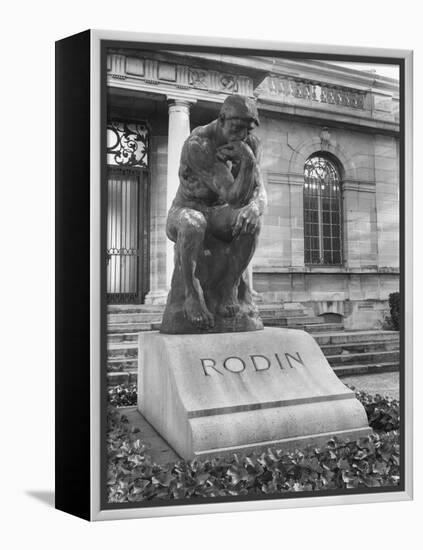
[{"x": 46, "y": 497}]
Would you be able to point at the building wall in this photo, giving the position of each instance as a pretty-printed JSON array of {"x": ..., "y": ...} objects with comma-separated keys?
[{"x": 359, "y": 289}]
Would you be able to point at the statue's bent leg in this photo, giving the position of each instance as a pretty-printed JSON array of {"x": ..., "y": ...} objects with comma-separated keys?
[
  {"x": 191, "y": 226},
  {"x": 246, "y": 293},
  {"x": 242, "y": 248}
]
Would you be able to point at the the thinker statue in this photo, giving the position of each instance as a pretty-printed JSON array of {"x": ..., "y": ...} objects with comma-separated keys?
[{"x": 215, "y": 221}]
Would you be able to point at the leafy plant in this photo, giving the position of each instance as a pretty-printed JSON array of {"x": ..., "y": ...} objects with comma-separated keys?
[
  {"x": 123, "y": 395},
  {"x": 394, "y": 306},
  {"x": 372, "y": 461},
  {"x": 383, "y": 413}
]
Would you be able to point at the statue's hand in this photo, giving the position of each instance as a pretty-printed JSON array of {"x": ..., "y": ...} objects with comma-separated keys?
[
  {"x": 235, "y": 151},
  {"x": 247, "y": 220}
]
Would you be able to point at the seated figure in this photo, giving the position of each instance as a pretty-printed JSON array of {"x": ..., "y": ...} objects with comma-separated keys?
[{"x": 215, "y": 221}]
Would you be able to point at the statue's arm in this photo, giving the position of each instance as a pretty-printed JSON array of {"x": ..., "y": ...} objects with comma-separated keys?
[
  {"x": 211, "y": 169},
  {"x": 259, "y": 196},
  {"x": 249, "y": 216}
]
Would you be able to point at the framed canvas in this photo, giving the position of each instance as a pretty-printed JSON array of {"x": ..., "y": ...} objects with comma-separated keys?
[{"x": 233, "y": 275}]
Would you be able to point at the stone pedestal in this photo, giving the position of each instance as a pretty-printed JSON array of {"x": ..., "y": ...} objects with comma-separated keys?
[{"x": 217, "y": 393}]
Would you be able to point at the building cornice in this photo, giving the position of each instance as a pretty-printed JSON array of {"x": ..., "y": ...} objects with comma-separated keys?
[
  {"x": 332, "y": 74},
  {"x": 188, "y": 78},
  {"x": 308, "y": 69}
]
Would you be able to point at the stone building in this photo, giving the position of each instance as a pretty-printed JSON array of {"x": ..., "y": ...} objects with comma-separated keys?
[{"x": 330, "y": 135}]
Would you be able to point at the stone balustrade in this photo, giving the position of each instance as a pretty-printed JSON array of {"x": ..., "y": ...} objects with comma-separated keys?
[{"x": 292, "y": 88}]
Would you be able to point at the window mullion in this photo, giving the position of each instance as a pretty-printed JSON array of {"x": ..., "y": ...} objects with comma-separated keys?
[
  {"x": 341, "y": 226},
  {"x": 331, "y": 193},
  {"x": 320, "y": 221}
]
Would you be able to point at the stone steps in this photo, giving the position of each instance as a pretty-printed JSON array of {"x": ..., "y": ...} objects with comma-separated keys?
[
  {"x": 117, "y": 328},
  {"x": 127, "y": 355},
  {"x": 116, "y": 347},
  {"x": 283, "y": 314},
  {"x": 122, "y": 337},
  {"x": 363, "y": 358},
  {"x": 124, "y": 377},
  {"x": 119, "y": 364},
  {"x": 360, "y": 347},
  {"x": 133, "y": 308},
  {"x": 381, "y": 354},
  {"x": 324, "y": 327},
  {"x": 127, "y": 350},
  {"x": 351, "y": 342},
  {"x": 310, "y": 324},
  {"x": 348, "y": 352},
  {"x": 373, "y": 368},
  {"x": 293, "y": 321},
  {"x": 335, "y": 337},
  {"x": 136, "y": 317},
  {"x": 138, "y": 314},
  {"x": 128, "y": 318},
  {"x": 130, "y": 375}
]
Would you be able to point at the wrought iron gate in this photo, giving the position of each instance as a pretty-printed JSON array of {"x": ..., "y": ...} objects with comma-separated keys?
[{"x": 127, "y": 235}]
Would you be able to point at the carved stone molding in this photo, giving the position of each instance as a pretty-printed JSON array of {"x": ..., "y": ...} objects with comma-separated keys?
[
  {"x": 155, "y": 72},
  {"x": 361, "y": 186},
  {"x": 325, "y": 138}
]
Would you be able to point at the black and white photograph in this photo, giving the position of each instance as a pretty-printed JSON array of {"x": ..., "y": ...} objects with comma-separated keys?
[
  {"x": 211, "y": 300},
  {"x": 253, "y": 320}
]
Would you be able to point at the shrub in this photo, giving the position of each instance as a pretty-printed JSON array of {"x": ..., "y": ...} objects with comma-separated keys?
[
  {"x": 394, "y": 306},
  {"x": 383, "y": 413},
  {"x": 123, "y": 395},
  {"x": 372, "y": 461}
]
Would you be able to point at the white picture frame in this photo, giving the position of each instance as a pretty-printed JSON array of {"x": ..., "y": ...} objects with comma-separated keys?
[{"x": 95, "y": 511}]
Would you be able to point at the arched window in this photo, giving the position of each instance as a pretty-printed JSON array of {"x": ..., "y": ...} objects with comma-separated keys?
[{"x": 322, "y": 212}]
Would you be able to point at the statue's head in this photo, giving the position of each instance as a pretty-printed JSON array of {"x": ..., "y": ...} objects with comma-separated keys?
[{"x": 238, "y": 117}]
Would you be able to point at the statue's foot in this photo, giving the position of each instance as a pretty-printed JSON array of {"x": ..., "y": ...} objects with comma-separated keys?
[
  {"x": 249, "y": 306},
  {"x": 228, "y": 308},
  {"x": 197, "y": 314},
  {"x": 252, "y": 310}
]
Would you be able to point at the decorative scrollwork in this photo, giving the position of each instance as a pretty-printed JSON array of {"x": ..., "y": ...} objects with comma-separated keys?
[
  {"x": 197, "y": 78},
  {"x": 127, "y": 144},
  {"x": 228, "y": 83}
]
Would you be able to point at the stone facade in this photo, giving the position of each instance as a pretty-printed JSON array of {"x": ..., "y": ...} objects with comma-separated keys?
[{"x": 351, "y": 116}]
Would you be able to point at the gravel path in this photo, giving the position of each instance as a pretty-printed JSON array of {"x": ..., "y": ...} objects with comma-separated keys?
[{"x": 386, "y": 384}]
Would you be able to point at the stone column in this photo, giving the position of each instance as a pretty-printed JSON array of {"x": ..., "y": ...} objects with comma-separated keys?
[
  {"x": 166, "y": 182},
  {"x": 179, "y": 130}
]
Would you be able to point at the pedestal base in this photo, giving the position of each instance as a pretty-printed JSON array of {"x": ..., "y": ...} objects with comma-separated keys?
[
  {"x": 175, "y": 322},
  {"x": 217, "y": 393},
  {"x": 156, "y": 297}
]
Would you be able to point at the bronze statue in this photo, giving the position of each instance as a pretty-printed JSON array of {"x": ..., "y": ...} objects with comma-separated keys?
[{"x": 215, "y": 221}]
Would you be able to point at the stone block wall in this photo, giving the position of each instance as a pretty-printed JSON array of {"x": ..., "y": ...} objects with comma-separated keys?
[
  {"x": 361, "y": 299},
  {"x": 369, "y": 173}
]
